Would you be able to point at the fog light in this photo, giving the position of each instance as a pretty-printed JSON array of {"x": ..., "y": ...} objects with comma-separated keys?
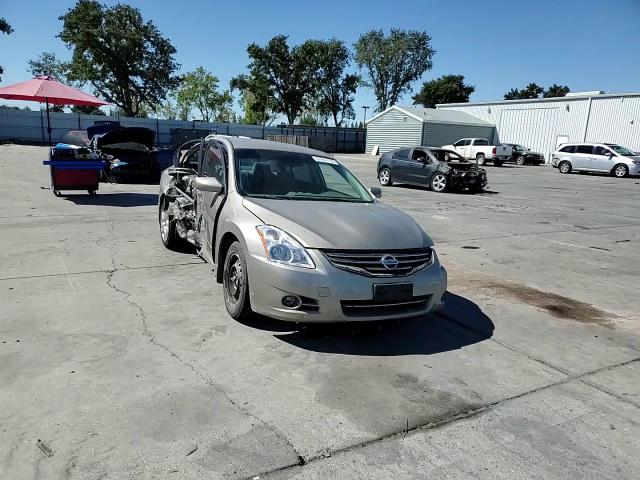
[{"x": 291, "y": 301}]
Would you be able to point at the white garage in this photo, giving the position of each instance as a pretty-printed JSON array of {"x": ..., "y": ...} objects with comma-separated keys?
[{"x": 398, "y": 127}]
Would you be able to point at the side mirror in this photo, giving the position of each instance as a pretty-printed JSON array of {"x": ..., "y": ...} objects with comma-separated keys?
[
  {"x": 608, "y": 154},
  {"x": 376, "y": 192},
  {"x": 208, "y": 184}
]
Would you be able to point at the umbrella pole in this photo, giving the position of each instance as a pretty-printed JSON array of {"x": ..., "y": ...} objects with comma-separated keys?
[{"x": 48, "y": 121}]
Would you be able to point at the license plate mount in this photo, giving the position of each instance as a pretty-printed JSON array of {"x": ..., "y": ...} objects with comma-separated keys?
[{"x": 386, "y": 292}]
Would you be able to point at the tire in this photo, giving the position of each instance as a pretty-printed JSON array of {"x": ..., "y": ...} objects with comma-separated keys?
[
  {"x": 481, "y": 160},
  {"x": 446, "y": 157},
  {"x": 620, "y": 171},
  {"x": 438, "y": 182},
  {"x": 520, "y": 160},
  {"x": 384, "y": 177},
  {"x": 235, "y": 283},
  {"x": 497, "y": 163},
  {"x": 168, "y": 233},
  {"x": 564, "y": 167}
]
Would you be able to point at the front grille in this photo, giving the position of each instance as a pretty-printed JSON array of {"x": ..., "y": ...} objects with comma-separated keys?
[
  {"x": 369, "y": 308},
  {"x": 370, "y": 262}
]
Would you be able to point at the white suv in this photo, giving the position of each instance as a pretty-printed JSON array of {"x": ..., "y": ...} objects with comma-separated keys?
[{"x": 596, "y": 157}]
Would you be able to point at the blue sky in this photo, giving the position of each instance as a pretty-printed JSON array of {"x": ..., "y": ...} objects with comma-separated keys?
[{"x": 495, "y": 44}]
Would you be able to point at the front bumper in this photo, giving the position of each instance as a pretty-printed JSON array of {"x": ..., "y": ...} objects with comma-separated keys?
[
  {"x": 329, "y": 293},
  {"x": 634, "y": 169}
]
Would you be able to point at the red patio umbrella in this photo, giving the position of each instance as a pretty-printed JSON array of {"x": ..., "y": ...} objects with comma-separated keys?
[{"x": 47, "y": 90}]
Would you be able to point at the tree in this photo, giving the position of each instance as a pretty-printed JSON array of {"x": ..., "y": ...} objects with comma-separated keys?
[
  {"x": 446, "y": 89},
  {"x": 87, "y": 110},
  {"x": 531, "y": 91},
  {"x": 199, "y": 90},
  {"x": 255, "y": 96},
  {"x": 48, "y": 64},
  {"x": 333, "y": 91},
  {"x": 7, "y": 30},
  {"x": 556, "y": 91},
  {"x": 284, "y": 72},
  {"x": 392, "y": 63},
  {"x": 126, "y": 60}
]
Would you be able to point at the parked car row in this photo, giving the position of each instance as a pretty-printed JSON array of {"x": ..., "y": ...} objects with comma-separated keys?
[{"x": 480, "y": 150}]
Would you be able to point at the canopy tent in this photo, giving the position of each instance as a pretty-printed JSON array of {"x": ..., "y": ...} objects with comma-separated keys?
[{"x": 46, "y": 90}]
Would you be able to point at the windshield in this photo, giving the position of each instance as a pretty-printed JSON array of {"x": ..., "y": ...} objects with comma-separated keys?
[
  {"x": 625, "y": 152},
  {"x": 296, "y": 176},
  {"x": 520, "y": 148}
]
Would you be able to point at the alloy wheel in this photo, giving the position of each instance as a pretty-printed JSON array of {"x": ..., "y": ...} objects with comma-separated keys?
[
  {"x": 439, "y": 182},
  {"x": 164, "y": 225},
  {"x": 234, "y": 279},
  {"x": 620, "y": 171},
  {"x": 384, "y": 176}
]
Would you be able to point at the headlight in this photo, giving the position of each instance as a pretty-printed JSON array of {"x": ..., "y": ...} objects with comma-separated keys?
[
  {"x": 280, "y": 247},
  {"x": 637, "y": 162}
]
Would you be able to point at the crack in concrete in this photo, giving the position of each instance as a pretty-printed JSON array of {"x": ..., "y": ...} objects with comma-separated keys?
[
  {"x": 432, "y": 425},
  {"x": 545, "y": 363},
  {"x": 204, "y": 377}
]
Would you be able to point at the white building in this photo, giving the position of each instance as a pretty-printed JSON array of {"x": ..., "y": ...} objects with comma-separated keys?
[{"x": 543, "y": 124}]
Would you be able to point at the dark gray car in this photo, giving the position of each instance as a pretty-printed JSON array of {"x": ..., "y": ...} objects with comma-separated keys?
[
  {"x": 294, "y": 235},
  {"x": 438, "y": 168}
]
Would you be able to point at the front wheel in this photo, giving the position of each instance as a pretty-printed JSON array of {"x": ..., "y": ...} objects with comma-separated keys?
[
  {"x": 564, "y": 167},
  {"x": 520, "y": 160},
  {"x": 235, "y": 283},
  {"x": 620, "y": 171},
  {"x": 384, "y": 177},
  {"x": 438, "y": 182}
]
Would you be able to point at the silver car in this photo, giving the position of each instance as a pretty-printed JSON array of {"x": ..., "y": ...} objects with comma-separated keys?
[
  {"x": 596, "y": 157},
  {"x": 294, "y": 235}
]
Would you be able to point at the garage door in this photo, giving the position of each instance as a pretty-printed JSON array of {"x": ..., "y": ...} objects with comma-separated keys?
[
  {"x": 535, "y": 128},
  {"x": 438, "y": 134}
]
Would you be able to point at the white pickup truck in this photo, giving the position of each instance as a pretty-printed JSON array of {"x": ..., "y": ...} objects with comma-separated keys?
[{"x": 479, "y": 149}]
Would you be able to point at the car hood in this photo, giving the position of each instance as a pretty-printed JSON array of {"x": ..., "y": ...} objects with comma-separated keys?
[
  {"x": 341, "y": 225},
  {"x": 130, "y": 138}
]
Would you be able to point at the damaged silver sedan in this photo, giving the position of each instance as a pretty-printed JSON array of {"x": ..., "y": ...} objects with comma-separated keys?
[{"x": 292, "y": 234}]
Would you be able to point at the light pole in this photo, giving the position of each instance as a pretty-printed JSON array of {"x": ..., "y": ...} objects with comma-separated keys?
[{"x": 364, "y": 116}]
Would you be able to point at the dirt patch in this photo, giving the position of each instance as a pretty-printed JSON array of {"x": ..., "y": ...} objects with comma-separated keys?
[{"x": 557, "y": 305}]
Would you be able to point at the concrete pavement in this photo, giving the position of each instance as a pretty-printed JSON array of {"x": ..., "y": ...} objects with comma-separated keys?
[{"x": 118, "y": 355}]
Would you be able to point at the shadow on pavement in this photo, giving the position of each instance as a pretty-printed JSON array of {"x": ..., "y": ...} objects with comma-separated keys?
[
  {"x": 460, "y": 323},
  {"x": 115, "y": 199}
]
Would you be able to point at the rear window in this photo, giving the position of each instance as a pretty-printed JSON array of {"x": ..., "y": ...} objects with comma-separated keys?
[
  {"x": 568, "y": 149},
  {"x": 481, "y": 141}
]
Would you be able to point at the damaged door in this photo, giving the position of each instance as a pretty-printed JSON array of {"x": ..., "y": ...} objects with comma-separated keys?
[{"x": 213, "y": 164}]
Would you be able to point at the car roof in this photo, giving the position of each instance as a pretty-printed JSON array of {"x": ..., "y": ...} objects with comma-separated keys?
[{"x": 258, "y": 144}]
